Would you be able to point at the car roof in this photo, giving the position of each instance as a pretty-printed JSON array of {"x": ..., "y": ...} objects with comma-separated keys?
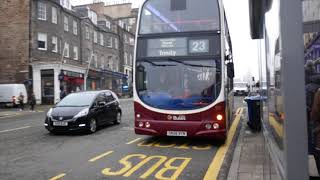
[{"x": 94, "y": 92}]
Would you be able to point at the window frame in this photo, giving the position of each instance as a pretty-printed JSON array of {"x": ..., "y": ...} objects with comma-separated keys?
[
  {"x": 87, "y": 31},
  {"x": 101, "y": 39},
  {"x": 67, "y": 46},
  {"x": 66, "y": 23},
  {"x": 75, "y": 27},
  {"x": 109, "y": 43},
  {"x": 54, "y": 16},
  {"x": 95, "y": 36},
  {"x": 46, "y": 41},
  {"x": 55, "y": 50},
  {"x": 125, "y": 56},
  {"x": 75, "y": 53},
  {"x": 116, "y": 43},
  {"x": 39, "y": 16}
]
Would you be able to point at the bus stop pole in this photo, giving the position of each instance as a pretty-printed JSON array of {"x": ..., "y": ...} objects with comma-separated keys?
[{"x": 295, "y": 125}]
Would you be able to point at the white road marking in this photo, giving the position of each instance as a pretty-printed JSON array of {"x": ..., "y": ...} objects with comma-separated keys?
[{"x": 8, "y": 130}]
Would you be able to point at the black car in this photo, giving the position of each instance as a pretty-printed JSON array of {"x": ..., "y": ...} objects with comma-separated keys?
[{"x": 84, "y": 111}]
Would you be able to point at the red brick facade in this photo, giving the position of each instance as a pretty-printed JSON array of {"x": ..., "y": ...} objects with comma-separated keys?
[{"x": 14, "y": 41}]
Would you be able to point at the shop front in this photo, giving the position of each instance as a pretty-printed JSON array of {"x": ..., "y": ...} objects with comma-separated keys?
[
  {"x": 71, "y": 81},
  {"x": 94, "y": 80},
  {"x": 109, "y": 80},
  {"x": 49, "y": 79}
]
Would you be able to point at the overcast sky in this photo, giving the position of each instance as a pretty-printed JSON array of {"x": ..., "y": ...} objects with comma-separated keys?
[{"x": 244, "y": 49}]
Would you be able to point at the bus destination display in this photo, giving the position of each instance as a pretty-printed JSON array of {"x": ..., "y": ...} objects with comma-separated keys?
[{"x": 176, "y": 47}]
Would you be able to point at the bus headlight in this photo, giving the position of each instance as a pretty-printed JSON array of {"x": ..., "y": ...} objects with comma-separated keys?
[
  {"x": 140, "y": 124},
  {"x": 219, "y": 117},
  {"x": 147, "y": 125},
  {"x": 215, "y": 126}
]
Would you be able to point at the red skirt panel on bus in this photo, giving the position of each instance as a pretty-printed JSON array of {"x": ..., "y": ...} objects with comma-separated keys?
[{"x": 202, "y": 124}]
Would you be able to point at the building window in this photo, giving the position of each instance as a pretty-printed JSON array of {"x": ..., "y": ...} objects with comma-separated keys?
[
  {"x": 102, "y": 64},
  {"x": 66, "y": 50},
  {"x": 125, "y": 58},
  {"x": 116, "y": 43},
  {"x": 54, "y": 44},
  {"x": 75, "y": 53},
  {"x": 95, "y": 38},
  {"x": 108, "y": 24},
  {"x": 87, "y": 32},
  {"x": 75, "y": 27},
  {"x": 125, "y": 38},
  {"x": 66, "y": 23},
  {"x": 130, "y": 59},
  {"x": 101, "y": 39},
  {"x": 131, "y": 41},
  {"x": 110, "y": 62},
  {"x": 89, "y": 56},
  {"x": 54, "y": 15},
  {"x": 109, "y": 42},
  {"x": 95, "y": 61},
  {"x": 42, "y": 41},
  {"x": 42, "y": 11}
]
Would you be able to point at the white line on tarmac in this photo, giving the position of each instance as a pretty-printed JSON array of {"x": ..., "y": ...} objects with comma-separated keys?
[{"x": 8, "y": 130}]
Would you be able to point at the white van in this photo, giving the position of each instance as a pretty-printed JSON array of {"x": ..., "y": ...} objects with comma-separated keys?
[{"x": 9, "y": 94}]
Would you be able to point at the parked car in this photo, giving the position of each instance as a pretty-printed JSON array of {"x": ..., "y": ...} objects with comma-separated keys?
[
  {"x": 84, "y": 111},
  {"x": 9, "y": 94},
  {"x": 240, "y": 89}
]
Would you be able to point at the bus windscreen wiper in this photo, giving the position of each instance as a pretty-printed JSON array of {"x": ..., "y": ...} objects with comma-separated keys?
[
  {"x": 187, "y": 64},
  {"x": 155, "y": 64}
]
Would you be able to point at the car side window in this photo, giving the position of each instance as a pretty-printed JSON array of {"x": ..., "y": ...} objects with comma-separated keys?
[
  {"x": 100, "y": 98},
  {"x": 110, "y": 98}
]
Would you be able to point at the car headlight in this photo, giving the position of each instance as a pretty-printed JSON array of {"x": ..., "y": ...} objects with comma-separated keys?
[
  {"x": 49, "y": 112},
  {"x": 82, "y": 113}
]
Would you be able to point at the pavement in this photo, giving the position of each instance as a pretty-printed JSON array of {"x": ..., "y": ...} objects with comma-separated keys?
[
  {"x": 11, "y": 112},
  {"x": 250, "y": 158}
]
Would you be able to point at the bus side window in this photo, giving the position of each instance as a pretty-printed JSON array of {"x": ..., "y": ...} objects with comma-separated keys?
[{"x": 141, "y": 76}]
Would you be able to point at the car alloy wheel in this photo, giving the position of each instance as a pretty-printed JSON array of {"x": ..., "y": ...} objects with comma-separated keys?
[
  {"x": 93, "y": 125},
  {"x": 118, "y": 118}
]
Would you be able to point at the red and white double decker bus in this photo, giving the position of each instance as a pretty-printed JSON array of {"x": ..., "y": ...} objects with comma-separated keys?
[{"x": 183, "y": 69}]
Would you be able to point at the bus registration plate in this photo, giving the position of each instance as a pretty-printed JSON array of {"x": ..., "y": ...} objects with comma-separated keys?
[{"x": 176, "y": 133}]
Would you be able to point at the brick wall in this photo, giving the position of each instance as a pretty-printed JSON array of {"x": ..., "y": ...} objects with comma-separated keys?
[{"x": 14, "y": 40}]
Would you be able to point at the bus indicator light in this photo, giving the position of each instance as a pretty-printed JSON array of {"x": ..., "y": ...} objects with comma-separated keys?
[
  {"x": 219, "y": 117},
  {"x": 208, "y": 126},
  {"x": 138, "y": 115}
]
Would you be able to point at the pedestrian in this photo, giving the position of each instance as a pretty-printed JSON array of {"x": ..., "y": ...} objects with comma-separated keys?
[
  {"x": 20, "y": 100},
  {"x": 63, "y": 93},
  {"x": 32, "y": 101}
]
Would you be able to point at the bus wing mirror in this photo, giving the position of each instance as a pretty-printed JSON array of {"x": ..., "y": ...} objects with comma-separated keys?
[
  {"x": 257, "y": 9},
  {"x": 230, "y": 70},
  {"x": 228, "y": 57}
]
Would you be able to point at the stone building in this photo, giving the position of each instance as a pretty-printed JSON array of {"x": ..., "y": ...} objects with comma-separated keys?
[
  {"x": 50, "y": 46},
  {"x": 55, "y": 41},
  {"x": 124, "y": 20}
]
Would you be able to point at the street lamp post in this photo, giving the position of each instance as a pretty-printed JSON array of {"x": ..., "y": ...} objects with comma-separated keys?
[{"x": 87, "y": 72}]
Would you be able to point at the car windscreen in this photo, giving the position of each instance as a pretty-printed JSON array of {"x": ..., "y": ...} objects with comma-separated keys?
[
  {"x": 178, "y": 84},
  {"x": 77, "y": 100}
]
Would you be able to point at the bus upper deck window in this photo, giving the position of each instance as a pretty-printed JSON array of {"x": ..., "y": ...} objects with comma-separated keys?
[{"x": 178, "y": 5}]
